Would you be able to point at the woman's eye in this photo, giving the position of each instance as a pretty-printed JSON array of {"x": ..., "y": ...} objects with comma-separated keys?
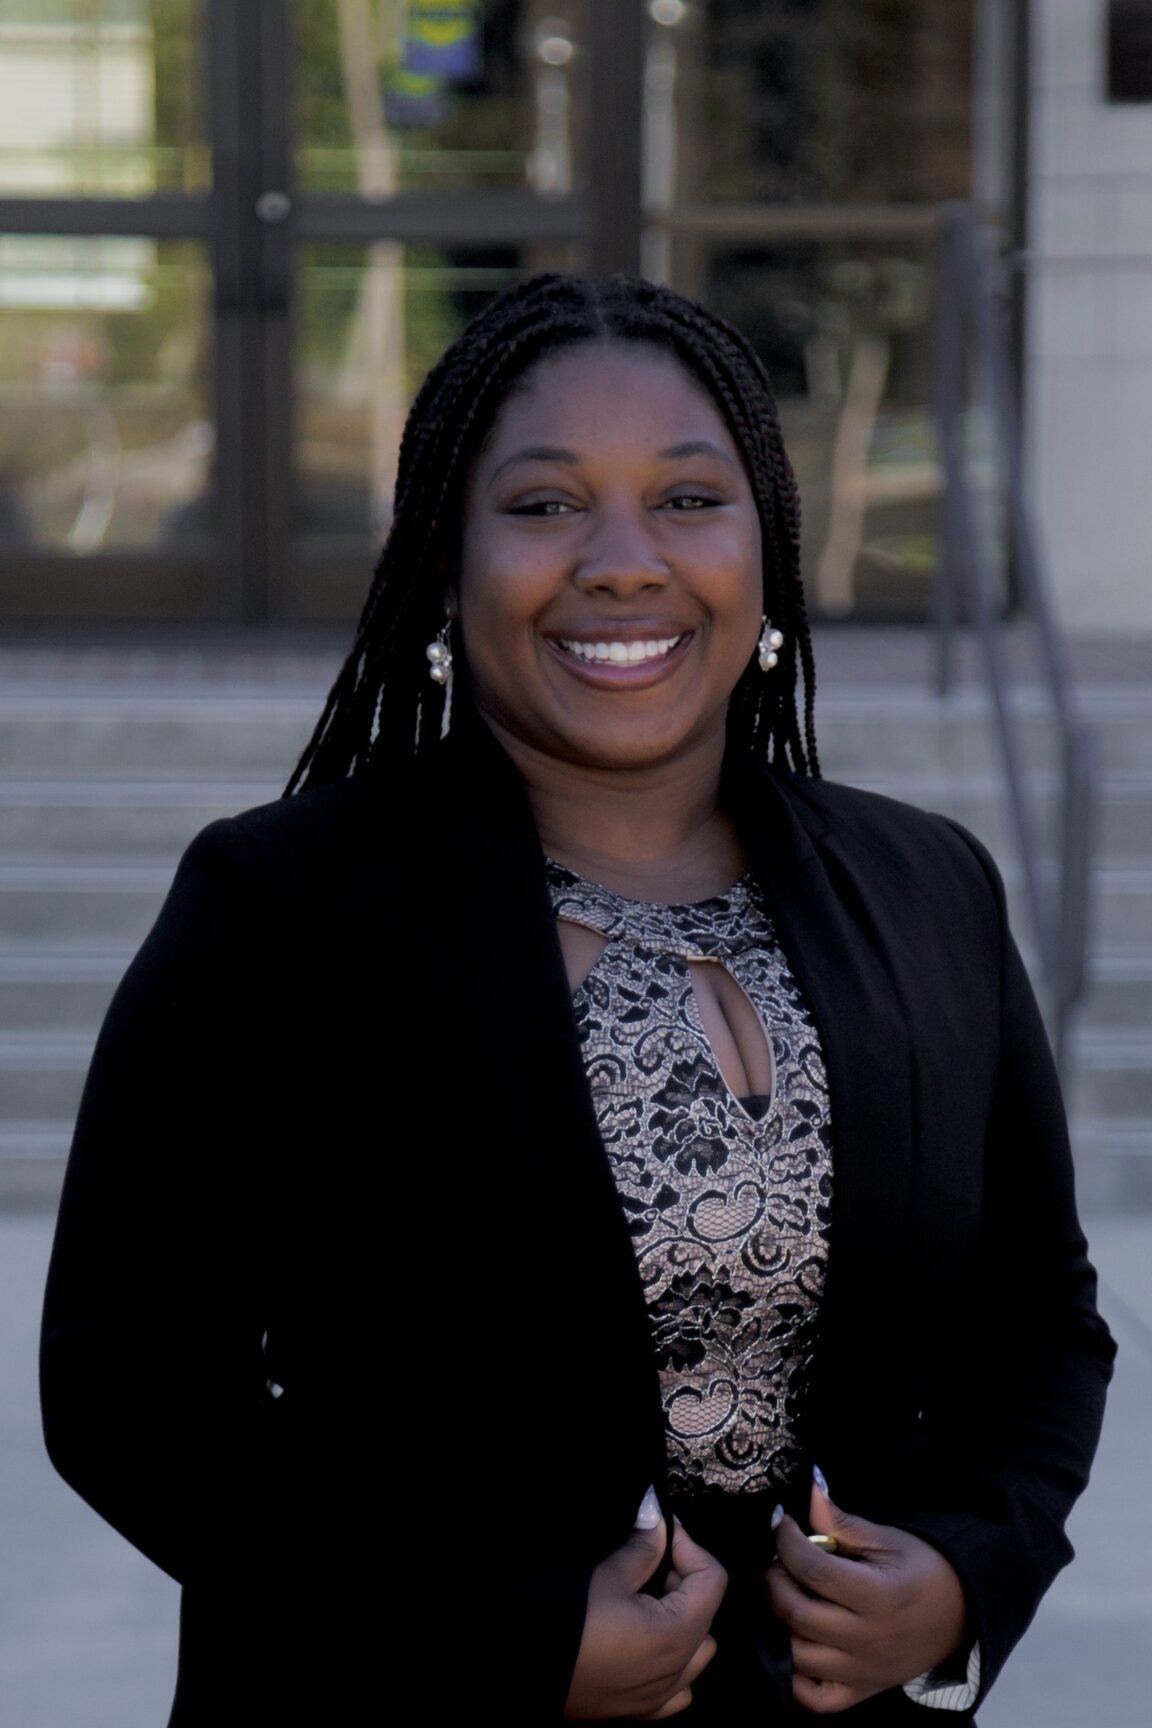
[
  {"x": 690, "y": 501},
  {"x": 540, "y": 507}
]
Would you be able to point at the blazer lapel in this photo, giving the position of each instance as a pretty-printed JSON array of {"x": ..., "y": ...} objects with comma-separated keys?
[
  {"x": 557, "y": 1255},
  {"x": 837, "y": 948}
]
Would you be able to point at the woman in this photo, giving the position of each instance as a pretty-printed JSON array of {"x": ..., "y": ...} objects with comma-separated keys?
[{"x": 566, "y": 1103}]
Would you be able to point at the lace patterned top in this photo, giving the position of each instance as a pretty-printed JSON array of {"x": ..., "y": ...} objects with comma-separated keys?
[{"x": 729, "y": 1210}]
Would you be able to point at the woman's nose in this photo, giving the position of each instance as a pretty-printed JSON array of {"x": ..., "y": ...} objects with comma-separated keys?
[{"x": 622, "y": 556}]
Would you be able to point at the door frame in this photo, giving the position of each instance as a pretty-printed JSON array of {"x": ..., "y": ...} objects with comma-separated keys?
[{"x": 252, "y": 221}]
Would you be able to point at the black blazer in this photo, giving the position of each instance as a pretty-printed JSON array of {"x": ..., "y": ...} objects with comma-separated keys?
[{"x": 344, "y": 1327}]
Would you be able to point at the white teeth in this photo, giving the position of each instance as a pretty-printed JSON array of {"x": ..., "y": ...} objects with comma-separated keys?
[{"x": 621, "y": 653}]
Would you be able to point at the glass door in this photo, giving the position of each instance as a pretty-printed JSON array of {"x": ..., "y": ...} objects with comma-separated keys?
[
  {"x": 437, "y": 156},
  {"x": 108, "y": 412},
  {"x": 232, "y": 239},
  {"x": 795, "y": 159},
  {"x": 235, "y": 233}
]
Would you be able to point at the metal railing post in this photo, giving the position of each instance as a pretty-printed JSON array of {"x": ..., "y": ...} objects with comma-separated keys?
[
  {"x": 946, "y": 356},
  {"x": 967, "y": 320}
]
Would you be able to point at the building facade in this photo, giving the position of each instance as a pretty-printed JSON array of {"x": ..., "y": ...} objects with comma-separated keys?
[
  {"x": 1088, "y": 270},
  {"x": 233, "y": 238}
]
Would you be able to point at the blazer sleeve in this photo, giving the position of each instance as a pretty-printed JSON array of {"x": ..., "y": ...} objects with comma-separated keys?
[
  {"x": 158, "y": 1400},
  {"x": 154, "y": 1393},
  {"x": 1009, "y": 1449}
]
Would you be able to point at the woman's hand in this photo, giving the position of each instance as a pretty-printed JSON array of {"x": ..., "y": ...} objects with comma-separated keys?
[
  {"x": 640, "y": 1654},
  {"x": 883, "y": 1609}
]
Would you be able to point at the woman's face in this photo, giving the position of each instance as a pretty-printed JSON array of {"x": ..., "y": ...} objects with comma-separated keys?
[{"x": 610, "y": 579}]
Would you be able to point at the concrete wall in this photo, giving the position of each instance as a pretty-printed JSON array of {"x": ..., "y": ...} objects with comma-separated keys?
[{"x": 1090, "y": 324}]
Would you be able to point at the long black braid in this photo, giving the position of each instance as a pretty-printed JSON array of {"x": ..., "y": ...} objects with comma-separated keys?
[{"x": 383, "y": 707}]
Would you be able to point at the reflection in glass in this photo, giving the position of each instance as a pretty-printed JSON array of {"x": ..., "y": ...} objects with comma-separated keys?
[
  {"x": 844, "y": 331},
  {"x": 403, "y": 95},
  {"x": 372, "y": 321},
  {"x": 843, "y": 101},
  {"x": 105, "y": 430},
  {"x": 100, "y": 97}
]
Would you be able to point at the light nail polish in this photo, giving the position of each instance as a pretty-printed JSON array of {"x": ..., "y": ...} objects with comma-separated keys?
[
  {"x": 777, "y": 1517},
  {"x": 819, "y": 1479},
  {"x": 649, "y": 1514}
]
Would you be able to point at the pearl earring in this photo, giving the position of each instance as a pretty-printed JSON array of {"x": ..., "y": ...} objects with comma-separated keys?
[
  {"x": 439, "y": 652},
  {"x": 766, "y": 648}
]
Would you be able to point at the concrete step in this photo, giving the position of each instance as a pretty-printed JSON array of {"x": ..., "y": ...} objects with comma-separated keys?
[
  {"x": 88, "y": 906},
  {"x": 203, "y": 734},
  {"x": 909, "y": 730},
  {"x": 1120, "y": 910},
  {"x": 50, "y": 993},
  {"x": 1123, "y": 907},
  {"x": 1112, "y": 1077},
  {"x": 42, "y": 1075},
  {"x": 101, "y": 789},
  {"x": 1119, "y": 997},
  {"x": 981, "y": 803},
  {"x": 208, "y": 732},
  {"x": 67, "y": 818},
  {"x": 1113, "y": 1164},
  {"x": 32, "y": 1160}
]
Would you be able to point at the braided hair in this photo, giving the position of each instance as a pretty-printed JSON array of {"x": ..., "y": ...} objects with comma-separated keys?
[{"x": 383, "y": 707}]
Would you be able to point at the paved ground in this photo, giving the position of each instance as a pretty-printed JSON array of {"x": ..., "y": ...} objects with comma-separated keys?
[{"x": 87, "y": 1627}]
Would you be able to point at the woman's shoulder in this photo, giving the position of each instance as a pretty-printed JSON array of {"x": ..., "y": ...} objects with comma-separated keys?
[
  {"x": 889, "y": 843},
  {"x": 303, "y": 843},
  {"x": 829, "y": 808}
]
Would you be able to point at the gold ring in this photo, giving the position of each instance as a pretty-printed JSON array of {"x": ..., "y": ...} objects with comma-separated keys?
[{"x": 828, "y": 1543}]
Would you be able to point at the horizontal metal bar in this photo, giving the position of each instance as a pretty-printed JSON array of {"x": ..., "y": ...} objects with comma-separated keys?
[
  {"x": 497, "y": 218},
  {"x": 168, "y": 213},
  {"x": 112, "y": 585},
  {"x": 799, "y": 221},
  {"x": 1036, "y": 260}
]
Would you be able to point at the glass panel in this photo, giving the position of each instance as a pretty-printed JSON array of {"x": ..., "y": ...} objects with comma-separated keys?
[
  {"x": 844, "y": 331},
  {"x": 372, "y": 320},
  {"x": 105, "y": 429},
  {"x": 404, "y": 95},
  {"x": 101, "y": 97},
  {"x": 839, "y": 101}
]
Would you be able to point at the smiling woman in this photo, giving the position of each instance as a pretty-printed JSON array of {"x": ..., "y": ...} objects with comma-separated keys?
[
  {"x": 524, "y": 1159},
  {"x": 610, "y": 587}
]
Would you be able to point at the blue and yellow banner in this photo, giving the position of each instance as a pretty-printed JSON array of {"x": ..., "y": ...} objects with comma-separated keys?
[
  {"x": 442, "y": 39},
  {"x": 413, "y": 101}
]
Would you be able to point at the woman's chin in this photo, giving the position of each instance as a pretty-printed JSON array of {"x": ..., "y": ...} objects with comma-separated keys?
[{"x": 615, "y": 750}]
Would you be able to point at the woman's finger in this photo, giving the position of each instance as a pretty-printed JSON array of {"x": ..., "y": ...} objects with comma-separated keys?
[
  {"x": 807, "y": 1616},
  {"x": 820, "y": 1661},
  {"x": 702, "y": 1581},
  {"x": 855, "y": 1536},
  {"x": 681, "y": 1700},
  {"x": 700, "y": 1660},
  {"x": 834, "y": 1577},
  {"x": 823, "y": 1698},
  {"x": 673, "y": 1707},
  {"x": 688, "y": 1556}
]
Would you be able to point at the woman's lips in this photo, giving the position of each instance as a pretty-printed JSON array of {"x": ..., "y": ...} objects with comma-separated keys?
[
  {"x": 614, "y": 652},
  {"x": 610, "y": 660}
]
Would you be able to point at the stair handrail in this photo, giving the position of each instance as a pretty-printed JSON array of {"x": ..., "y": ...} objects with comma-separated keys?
[{"x": 970, "y": 329}]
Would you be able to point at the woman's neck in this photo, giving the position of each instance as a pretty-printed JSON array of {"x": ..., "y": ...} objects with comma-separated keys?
[{"x": 651, "y": 834}]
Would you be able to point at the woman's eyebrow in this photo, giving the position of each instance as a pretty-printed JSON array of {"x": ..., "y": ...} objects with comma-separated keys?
[
  {"x": 698, "y": 447},
  {"x": 536, "y": 453},
  {"x": 557, "y": 453}
]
